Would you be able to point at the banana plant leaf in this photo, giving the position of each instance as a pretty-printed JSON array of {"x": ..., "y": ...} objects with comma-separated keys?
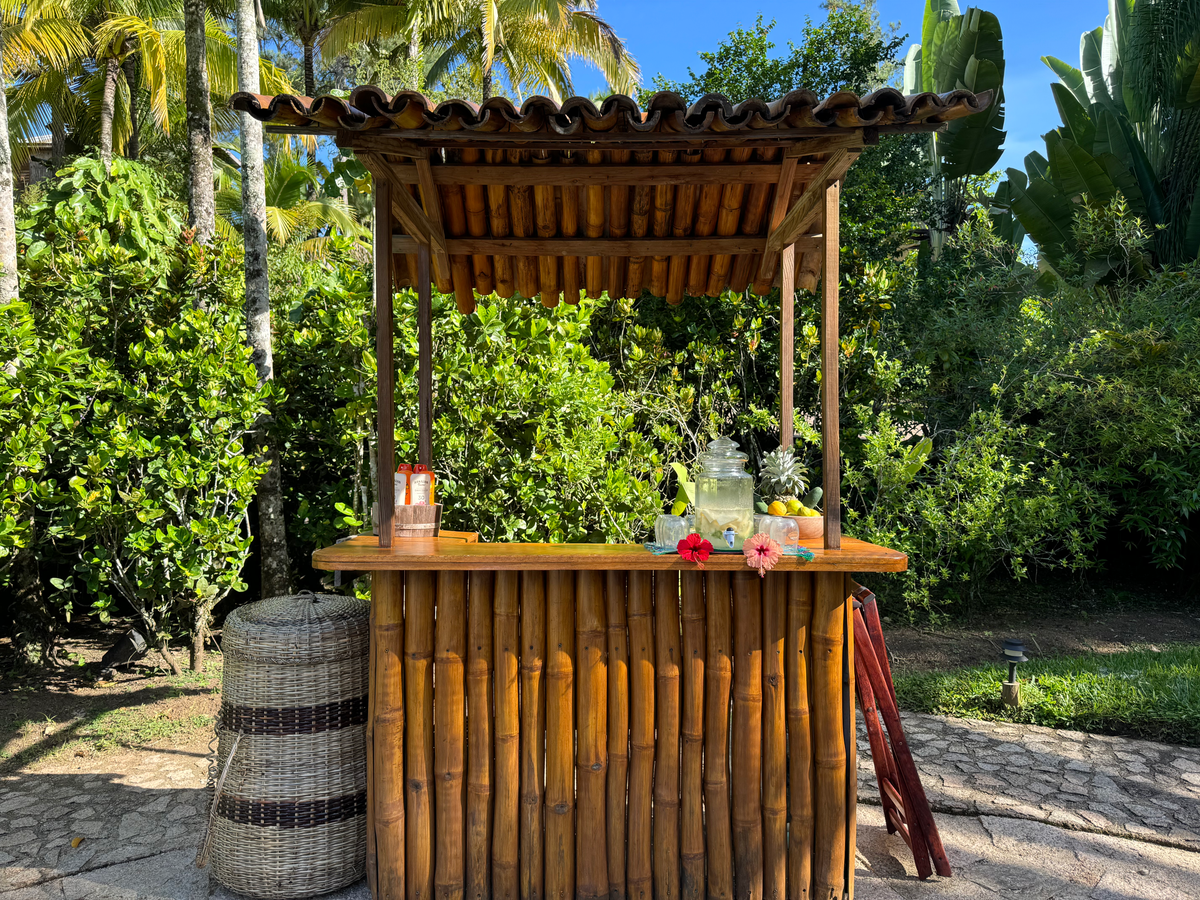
[
  {"x": 1071, "y": 77},
  {"x": 1114, "y": 135},
  {"x": 1036, "y": 165},
  {"x": 1075, "y": 172},
  {"x": 1077, "y": 123},
  {"x": 1045, "y": 213},
  {"x": 936, "y": 12},
  {"x": 1191, "y": 237},
  {"x": 1090, "y": 48},
  {"x": 912, "y": 70},
  {"x": 1126, "y": 182}
]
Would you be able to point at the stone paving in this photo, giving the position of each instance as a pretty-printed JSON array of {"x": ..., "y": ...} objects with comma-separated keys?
[
  {"x": 1080, "y": 781},
  {"x": 1024, "y": 812}
]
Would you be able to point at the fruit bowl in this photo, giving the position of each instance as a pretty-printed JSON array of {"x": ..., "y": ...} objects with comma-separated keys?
[{"x": 812, "y": 531}]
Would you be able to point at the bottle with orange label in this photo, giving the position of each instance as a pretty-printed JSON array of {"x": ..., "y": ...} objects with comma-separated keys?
[
  {"x": 421, "y": 485},
  {"x": 403, "y": 477}
]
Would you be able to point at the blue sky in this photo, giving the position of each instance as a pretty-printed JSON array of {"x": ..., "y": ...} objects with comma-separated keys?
[{"x": 666, "y": 35}]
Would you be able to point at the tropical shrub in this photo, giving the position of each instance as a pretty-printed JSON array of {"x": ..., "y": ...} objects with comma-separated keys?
[{"x": 131, "y": 394}]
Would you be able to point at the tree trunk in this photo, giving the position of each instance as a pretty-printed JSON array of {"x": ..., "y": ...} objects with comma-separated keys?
[
  {"x": 172, "y": 662},
  {"x": 8, "y": 226},
  {"x": 133, "y": 145},
  {"x": 487, "y": 83},
  {"x": 199, "y": 633},
  {"x": 201, "y": 212},
  {"x": 414, "y": 54},
  {"x": 272, "y": 535},
  {"x": 107, "y": 105},
  {"x": 58, "y": 140},
  {"x": 310, "y": 78}
]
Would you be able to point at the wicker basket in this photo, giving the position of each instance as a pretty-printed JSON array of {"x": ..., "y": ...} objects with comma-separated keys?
[{"x": 289, "y": 817}]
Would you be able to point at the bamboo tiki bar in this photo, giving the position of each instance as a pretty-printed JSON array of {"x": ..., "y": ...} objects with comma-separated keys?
[
  {"x": 618, "y": 731},
  {"x": 591, "y": 770},
  {"x": 641, "y": 734},
  {"x": 418, "y": 744},
  {"x": 480, "y": 591},
  {"x": 800, "y": 768},
  {"x": 449, "y": 738},
  {"x": 719, "y": 675},
  {"x": 666, "y": 749},
  {"x": 774, "y": 758},
  {"x": 560, "y": 735},
  {"x": 533, "y": 732},
  {"x": 552, "y": 721},
  {"x": 506, "y": 633},
  {"x": 747, "y": 737},
  {"x": 691, "y": 789}
]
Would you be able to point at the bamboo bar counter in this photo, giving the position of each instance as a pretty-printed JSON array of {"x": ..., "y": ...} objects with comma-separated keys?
[{"x": 550, "y": 721}]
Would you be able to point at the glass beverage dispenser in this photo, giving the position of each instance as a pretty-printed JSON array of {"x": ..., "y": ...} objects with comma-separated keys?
[{"x": 724, "y": 496}]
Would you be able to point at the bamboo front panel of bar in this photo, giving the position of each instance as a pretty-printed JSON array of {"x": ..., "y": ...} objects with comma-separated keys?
[{"x": 622, "y": 734}]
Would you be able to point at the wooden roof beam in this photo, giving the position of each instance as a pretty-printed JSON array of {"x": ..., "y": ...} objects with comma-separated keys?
[
  {"x": 572, "y": 175},
  {"x": 410, "y": 214},
  {"x": 800, "y": 216},
  {"x": 609, "y": 247}
]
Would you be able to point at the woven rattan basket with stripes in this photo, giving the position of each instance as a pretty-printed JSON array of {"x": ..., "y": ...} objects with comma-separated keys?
[{"x": 290, "y": 814}]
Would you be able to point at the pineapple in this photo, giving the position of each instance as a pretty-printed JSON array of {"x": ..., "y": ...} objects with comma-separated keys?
[{"x": 781, "y": 475}]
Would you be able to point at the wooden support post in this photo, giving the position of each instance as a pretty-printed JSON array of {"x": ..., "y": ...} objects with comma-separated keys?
[
  {"x": 850, "y": 733},
  {"x": 774, "y": 746},
  {"x": 533, "y": 733},
  {"x": 505, "y": 831},
  {"x": 829, "y": 745},
  {"x": 479, "y": 734},
  {"x": 419, "y": 593},
  {"x": 747, "y": 736},
  {"x": 424, "y": 359},
  {"x": 800, "y": 769},
  {"x": 666, "y": 753},
  {"x": 830, "y": 344},
  {"x": 787, "y": 344},
  {"x": 560, "y": 735},
  {"x": 691, "y": 790},
  {"x": 385, "y": 740},
  {"x": 449, "y": 728},
  {"x": 385, "y": 430},
  {"x": 719, "y": 675}
]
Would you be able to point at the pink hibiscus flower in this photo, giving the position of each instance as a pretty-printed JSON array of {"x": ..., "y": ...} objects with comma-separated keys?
[{"x": 762, "y": 552}]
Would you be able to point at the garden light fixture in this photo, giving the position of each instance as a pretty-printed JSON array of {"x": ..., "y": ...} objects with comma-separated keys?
[{"x": 1013, "y": 653}]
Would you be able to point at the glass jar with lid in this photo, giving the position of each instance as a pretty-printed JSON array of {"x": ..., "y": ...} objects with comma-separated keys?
[{"x": 724, "y": 496}]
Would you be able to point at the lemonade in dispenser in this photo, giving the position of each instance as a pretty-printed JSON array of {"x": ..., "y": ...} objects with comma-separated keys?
[{"x": 724, "y": 496}]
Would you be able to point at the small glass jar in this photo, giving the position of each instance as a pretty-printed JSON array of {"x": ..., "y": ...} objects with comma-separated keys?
[
  {"x": 782, "y": 529},
  {"x": 670, "y": 530},
  {"x": 724, "y": 496}
]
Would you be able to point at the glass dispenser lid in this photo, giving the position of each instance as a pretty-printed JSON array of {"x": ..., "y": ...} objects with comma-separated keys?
[{"x": 721, "y": 454}]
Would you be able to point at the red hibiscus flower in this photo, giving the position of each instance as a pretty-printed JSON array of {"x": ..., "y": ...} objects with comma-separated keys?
[{"x": 695, "y": 549}]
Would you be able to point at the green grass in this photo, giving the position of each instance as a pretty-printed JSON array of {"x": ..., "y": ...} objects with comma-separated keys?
[{"x": 1152, "y": 694}]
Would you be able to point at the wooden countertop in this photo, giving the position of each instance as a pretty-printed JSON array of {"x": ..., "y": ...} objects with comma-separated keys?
[{"x": 363, "y": 553}]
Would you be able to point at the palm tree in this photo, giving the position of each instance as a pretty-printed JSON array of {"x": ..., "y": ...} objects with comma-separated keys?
[
  {"x": 531, "y": 42},
  {"x": 295, "y": 212},
  {"x": 304, "y": 20},
  {"x": 85, "y": 84},
  {"x": 201, "y": 213},
  {"x": 272, "y": 533},
  {"x": 28, "y": 32}
]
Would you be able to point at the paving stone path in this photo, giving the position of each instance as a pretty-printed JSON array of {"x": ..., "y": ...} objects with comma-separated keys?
[
  {"x": 1085, "y": 782},
  {"x": 1006, "y": 796}
]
